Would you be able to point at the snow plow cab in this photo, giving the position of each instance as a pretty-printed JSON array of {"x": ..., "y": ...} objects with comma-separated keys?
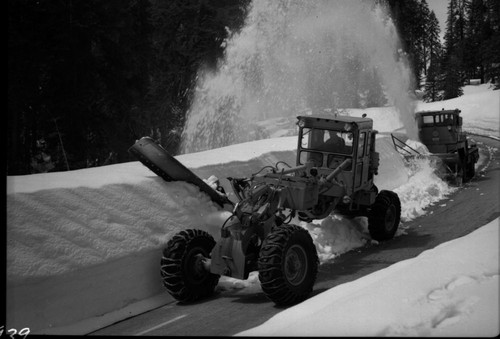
[
  {"x": 441, "y": 132},
  {"x": 344, "y": 149}
]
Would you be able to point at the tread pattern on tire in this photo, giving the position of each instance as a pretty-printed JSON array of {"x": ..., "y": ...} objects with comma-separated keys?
[
  {"x": 174, "y": 274},
  {"x": 376, "y": 219},
  {"x": 272, "y": 253}
]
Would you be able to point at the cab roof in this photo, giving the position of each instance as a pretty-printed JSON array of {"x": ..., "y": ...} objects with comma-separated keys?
[
  {"x": 333, "y": 120},
  {"x": 447, "y": 111}
]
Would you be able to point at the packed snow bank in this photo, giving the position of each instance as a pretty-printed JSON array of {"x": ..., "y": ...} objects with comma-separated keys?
[
  {"x": 451, "y": 290},
  {"x": 95, "y": 247},
  {"x": 72, "y": 224}
]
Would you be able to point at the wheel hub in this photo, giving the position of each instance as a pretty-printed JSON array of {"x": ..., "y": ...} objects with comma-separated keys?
[
  {"x": 390, "y": 217},
  {"x": 295, "y": 265},
  {"x": 195, "y": 266}
]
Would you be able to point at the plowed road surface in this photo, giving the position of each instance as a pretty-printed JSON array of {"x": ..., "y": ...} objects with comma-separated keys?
[{"x": 230, "y": 312}]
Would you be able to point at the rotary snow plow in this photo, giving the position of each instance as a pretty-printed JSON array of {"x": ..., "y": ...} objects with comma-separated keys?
[
  {"x": 441, "y": 132},
  {"x": 334, "y": 171}
]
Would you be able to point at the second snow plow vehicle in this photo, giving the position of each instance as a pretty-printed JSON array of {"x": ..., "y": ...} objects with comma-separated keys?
[
  {"x": 441, "y": 132},
  {"x": 335, "y": 166}
]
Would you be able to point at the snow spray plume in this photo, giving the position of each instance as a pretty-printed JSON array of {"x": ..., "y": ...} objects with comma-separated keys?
[{"x": 291, "y": 56}]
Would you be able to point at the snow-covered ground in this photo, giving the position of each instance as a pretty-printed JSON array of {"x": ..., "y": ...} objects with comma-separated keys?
[{"x": 83, "y": 246}]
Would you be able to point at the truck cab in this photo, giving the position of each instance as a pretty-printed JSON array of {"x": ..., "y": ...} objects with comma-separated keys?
[
  {"x": 441, "y": 131},
  {"x": 328, "y": 141}
]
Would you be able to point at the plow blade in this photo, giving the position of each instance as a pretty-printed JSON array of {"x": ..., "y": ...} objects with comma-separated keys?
[{"x": 158, "y": 160}]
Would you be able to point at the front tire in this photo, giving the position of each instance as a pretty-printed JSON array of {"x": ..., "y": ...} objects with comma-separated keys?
[
  {"x": 182, "y": 269},
  {"x": 385, "y": 215},
  {"x": 288, "y": 264}
]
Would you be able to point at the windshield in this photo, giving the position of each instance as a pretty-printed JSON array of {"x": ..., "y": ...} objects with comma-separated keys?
[
  {"x": 327, "y": 140},
  {"x": 326, "y": 148},
  {"x": 438, "y": 119}
]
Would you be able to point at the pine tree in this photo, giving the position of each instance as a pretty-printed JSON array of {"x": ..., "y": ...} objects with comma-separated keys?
[
  {"x": 432, "y": 83},
  {"x": 453, "y": 50},
  {"x": 433, "y": 39},
  {"x": 490, "y": 46},
  {"x": 433, "y": 78},
  {"x": 452, "y": 82},
  {"x": 477, "y": 25},
  {"x": 423, "y": 41}
]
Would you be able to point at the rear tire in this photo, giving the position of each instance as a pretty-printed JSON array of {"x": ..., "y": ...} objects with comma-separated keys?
[
  {"x": 182, "y": 269},
  {"x": 384, "y": 216},
  {"x": 288, "y": 264}
]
